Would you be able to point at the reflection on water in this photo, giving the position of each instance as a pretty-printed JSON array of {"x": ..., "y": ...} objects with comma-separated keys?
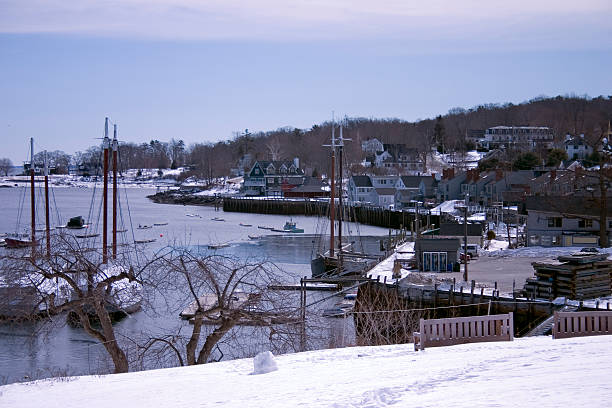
[{"x": 29, "y": 350}]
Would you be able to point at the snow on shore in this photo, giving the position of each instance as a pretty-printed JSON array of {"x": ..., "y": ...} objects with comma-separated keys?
[{"x": 526, "y": 372}]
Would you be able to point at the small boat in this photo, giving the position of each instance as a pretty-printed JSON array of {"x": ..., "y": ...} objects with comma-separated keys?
[
  {"x": 159, "y": 224},
  {"x": 144, "y": 226},
  {"x": 245, "y": 225},
  {"x": 217, "y": 246},
  {"x": 76, "y": 223},
  {"x": 291, "y": 227},
  {"x": 264, "y": 227},
  {"x": 122, "y": 230},
  {"x": 256, "y": 236},
  {"x": 18, "y": 242},
  {"x": 217, "y": 219},
  {"x": 144, "y": 241},
  {"x": 2, "y": 242},
  {"x": 87, "y": 235}
]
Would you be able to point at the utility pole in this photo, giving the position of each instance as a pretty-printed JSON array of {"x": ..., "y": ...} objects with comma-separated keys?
[{"x": 465, "y": 253}]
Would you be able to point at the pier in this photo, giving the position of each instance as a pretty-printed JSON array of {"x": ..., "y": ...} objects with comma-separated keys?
[{"x": 368, "y": 215}]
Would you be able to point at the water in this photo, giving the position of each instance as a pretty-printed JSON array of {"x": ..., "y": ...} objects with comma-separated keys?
[{"x": 33, "y": 351}]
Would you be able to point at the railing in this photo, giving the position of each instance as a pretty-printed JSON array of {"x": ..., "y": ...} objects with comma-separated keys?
[
  {"x": 460, "y": 330},
  {"x": 578, "y": 324}
]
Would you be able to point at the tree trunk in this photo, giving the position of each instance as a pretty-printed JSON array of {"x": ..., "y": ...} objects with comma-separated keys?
[
  {"x": 119, "y": 358},
  {"x": 214, "y": 338},
  {"x": 192, "y": 345}
]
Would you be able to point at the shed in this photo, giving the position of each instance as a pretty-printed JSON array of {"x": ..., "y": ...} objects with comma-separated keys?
[{"x": 436, "y": 254}]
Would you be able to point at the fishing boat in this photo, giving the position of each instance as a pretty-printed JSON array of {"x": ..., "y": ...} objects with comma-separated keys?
[
  {"x": 76, "y": 223},
  {"x": 290, "y": 226}
]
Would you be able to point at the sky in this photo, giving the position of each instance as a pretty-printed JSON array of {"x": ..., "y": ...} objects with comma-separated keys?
[{"x": 203, "y": 71}]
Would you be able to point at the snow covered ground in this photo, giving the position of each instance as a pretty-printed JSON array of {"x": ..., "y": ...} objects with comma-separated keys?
[{"x": 535, "y": 371}]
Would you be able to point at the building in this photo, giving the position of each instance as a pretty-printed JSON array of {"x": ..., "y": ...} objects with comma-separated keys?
[
  {"x": 577, "y": 148},
  {"x": 372, "y": 146},
  {"x": 519, "y": 137},
  {"x": 273, "y": 178},
  {"x": 559, "y": 221},
  {"x": 359, "y": 189},
  {"x": 436, "y": 254},
  {"x": 383, "y": 197}
]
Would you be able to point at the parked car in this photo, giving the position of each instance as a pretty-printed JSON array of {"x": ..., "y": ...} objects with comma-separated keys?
[
  {"x": 462, "y": 257},
  {"x": 472, "y": 250}
]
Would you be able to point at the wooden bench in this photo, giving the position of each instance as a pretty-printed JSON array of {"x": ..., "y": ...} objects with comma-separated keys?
[
  {"x": 460, "y": 330},
  {"x": 578, "y": 324}
]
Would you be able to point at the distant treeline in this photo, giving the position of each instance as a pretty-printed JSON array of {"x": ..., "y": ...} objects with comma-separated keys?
[{"x": 564, "y": 114}]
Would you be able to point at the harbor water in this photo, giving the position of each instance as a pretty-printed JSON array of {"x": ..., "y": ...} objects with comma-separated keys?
[{"x": 36, "y": 350}]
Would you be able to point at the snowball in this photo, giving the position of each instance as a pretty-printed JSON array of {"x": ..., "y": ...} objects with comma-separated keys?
[{"x": 264, "y": 363}]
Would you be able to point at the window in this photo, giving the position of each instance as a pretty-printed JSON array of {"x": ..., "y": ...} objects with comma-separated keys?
[
  {"x": 434, "y": 262},
  {"x": 585, "y": 224},
  {"x": 555, "y": 222}
]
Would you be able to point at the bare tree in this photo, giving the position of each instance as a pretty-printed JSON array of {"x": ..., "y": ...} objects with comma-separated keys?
[
  {"x": 220, "y": 293},
  {"x": 73, "y": 279},
  {"x": 5, "y": 165}
]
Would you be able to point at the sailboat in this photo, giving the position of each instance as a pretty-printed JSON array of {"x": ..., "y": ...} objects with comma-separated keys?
[
  {"x": 22, "y": 240},
  {"x": 337, "y": 261}
]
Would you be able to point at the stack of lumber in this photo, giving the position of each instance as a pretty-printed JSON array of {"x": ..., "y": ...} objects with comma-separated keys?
[{"x": 574, "y": 281}]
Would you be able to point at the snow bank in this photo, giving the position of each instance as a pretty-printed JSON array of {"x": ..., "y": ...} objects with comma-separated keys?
[
  {"x": 535, "y": 371},
  {"x": 264, "y": 363}
]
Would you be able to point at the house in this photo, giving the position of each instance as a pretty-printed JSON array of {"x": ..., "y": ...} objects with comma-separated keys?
[
  {"x": 400, "y": 157},
  {"x": 449, "y": 187},
  {"x": 273, "y": 178},
  {"x": 383, "y": 197},
  {"x": 359, "y": 189},
  {"x": 372, "y": 146},
  {"x": 559, "y": 221},
  {"x": 519, "y": 137},
  {"x": 312, "y": 188},
  {"x": 436, "y": 254},
  {"x": 244, "y": 163},
  {"x": 577, "y": 147}
]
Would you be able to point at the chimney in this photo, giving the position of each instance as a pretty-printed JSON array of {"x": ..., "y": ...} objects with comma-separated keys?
[{"x": 553, "y": 175}]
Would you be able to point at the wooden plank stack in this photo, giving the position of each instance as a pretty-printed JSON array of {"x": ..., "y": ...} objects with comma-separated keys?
[{"x": 577, "y": 281}]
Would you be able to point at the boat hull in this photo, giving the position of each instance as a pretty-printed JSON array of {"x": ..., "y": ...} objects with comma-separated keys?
[{"x": 18, "y": 243}]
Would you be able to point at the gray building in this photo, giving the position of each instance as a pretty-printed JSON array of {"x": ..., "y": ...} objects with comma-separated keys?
[
  {"x": 436, "y": 254},
  {"x": 565, "y": 221}
]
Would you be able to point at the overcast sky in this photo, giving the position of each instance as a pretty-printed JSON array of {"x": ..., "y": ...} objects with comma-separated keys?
[{"x": 202, "y": 70}]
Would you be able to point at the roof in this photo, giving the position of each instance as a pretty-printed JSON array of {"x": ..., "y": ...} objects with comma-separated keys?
[
  {"x": 362, "y": 181},
  {"x": 385, "y": 191},
  {"x": 587, "y": 206},
  {"x": 411, "y": 181},
  {"x": 438, "y": 244},
  {"x": 458, "y": 230}
]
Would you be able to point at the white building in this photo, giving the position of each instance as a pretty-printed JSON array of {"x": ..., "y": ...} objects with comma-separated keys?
[{"x": 519, "y": 137}]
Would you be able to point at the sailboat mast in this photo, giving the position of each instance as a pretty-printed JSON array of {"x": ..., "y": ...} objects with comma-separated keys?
[
  {"x": 115, "y": 147},
  {"x": 332, "y": 208},
  {"x": 105, "y": 145},
  {"x": 32, "y": 196},
  {"x": 340, "y": 145},
  {"x": 47, "y": 226}
]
